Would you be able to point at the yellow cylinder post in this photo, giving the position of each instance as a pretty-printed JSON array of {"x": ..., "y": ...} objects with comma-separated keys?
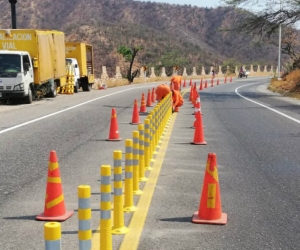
[
  {"x": 105, "y": 207},
  {"x": 141, "y": 154},
  {"x": 147, "y": 144},
  {"x": 155, "y": 121},
  {"x": 128, "y": 205},
  {"x": 135, "y": 163},
  {"x": 84, "y": 217},
  {"x": 159, "y": 123},
  {"x": 118, "y": 227},
  {"x": 150, "y": 117},
  {"x": 52, "y": 236}
]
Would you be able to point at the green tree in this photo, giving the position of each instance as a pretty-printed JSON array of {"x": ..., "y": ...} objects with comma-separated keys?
[
  {"x": 171, "y": 59},
  {"x": 271, "y": 15},
  {"x": 129, "y": 54},
  {"x": 265, "y": 24}
]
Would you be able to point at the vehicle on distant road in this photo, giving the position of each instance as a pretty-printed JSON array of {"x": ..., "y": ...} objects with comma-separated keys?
[{"x": 243, "y": 73}]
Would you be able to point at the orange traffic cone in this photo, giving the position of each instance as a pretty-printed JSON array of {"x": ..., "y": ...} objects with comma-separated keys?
[
  {"x": 135, "y": 114},
  {"x": 197, "y": 106},
  {"x": 210, "y": 209},
  {"x": 55, "y": 209},
  {"x": 198, "y": 134},
  {"x": 149, "y": 101},
  {"x": 153, "y": 99},
  {"x": 184, "y": 83},
  {"x": 231, "y": 79},
  {"x": 114, "y": 130},
  {"x": 143, "y": 104},
  {"x": 225, "y": 79},
  {"x": 195, "y": 94},
  {"x": 201, "y": 87},
  {"x": 212, "y": 82},
  {"x": 191, "y": 94},
  {"x": 205, "y": 85}
]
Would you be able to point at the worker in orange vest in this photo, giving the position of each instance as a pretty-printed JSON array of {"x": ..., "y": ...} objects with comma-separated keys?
[
  {"x": 177, "y": 100},
  {"x": 176, "y": 82},
  {"x": 162, "y": 91}
]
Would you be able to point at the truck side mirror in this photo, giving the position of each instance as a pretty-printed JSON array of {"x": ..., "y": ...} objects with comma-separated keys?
[{"x": 26, "y": 66}]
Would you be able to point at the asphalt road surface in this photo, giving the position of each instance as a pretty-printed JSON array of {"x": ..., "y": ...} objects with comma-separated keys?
[{"x": 254, "y": 132}]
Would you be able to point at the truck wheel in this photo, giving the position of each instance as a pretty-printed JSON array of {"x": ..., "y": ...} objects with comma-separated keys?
[
  {"x": 76, "y": 87},
  {"x": 28, "y": 99},
  {"x": 85, "y": 86},
  {"x": 52, "y": 92},
  {"x": 3, "y": 101}
]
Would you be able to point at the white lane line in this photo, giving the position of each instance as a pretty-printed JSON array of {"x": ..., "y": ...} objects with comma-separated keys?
[
  {"x": 64, "y": 110},
  {"x": 262, "y": 105}
]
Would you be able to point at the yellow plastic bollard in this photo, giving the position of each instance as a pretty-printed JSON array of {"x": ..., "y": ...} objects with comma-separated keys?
[
  {"x": 141, "y": 154},
  {"x": 135, "y": 163},
  {"x": 84, "y": 217},
  {"x": 118, "y": 227},
  {"x": 147, "y": 144},
  {"x": 155, "y": 122},
  {"x": 128, "y": 204},
  {"x": 52, "y": 236},
  {"x": 150, "y": 117},
  {"x": 105, "y": 207}
]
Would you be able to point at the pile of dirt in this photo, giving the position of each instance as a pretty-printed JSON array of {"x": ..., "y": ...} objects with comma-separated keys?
[{"x": 288, "y": 86}]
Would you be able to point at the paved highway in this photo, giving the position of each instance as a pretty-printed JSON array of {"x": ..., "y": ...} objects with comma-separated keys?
[{"x": 254, "y": 132}]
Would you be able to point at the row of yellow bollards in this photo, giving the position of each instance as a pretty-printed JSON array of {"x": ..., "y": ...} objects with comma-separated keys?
[
  {"x": 68, "y": 88},
  {"x": 140, "y": 151}
]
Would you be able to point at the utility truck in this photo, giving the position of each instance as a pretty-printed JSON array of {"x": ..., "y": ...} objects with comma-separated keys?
[
  {"x": 32, "y": 63},
  {"x": 80, "y": 56}
]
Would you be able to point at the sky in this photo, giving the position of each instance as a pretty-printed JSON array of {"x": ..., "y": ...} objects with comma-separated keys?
[{"x": 199, "y": 3}]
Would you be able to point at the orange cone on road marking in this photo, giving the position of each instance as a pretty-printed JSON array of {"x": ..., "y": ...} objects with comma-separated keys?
[
  {"x": 153, "y": 98},
  {"x": 201, "y": 87},
  {"x": 149, "y": 100},
  {"x": 55, "y": 209},
  {"x": 191, "y": 94},
  {"x": 198, "y": 134},
  {"x": 114, "y": 129},
  {"x": 143, "y": 104},
  {"x": 135, "y": 114},
  {"x": 210, "y": 209},
  {"x": 184, "y": 83}
]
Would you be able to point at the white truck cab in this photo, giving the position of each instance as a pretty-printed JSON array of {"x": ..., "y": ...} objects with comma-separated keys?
[{"x": 16, "y": 75}]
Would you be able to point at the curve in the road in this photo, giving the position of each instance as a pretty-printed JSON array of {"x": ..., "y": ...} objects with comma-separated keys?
[{"x": 262, "y": 105}]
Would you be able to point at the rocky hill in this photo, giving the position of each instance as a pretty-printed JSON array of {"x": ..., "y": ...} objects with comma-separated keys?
[{"x": 170, "y": 34}]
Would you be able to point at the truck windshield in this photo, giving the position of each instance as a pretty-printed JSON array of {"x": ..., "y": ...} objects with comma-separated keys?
[
  {"x": 10, "y": 65},
  {"x": 68, "y": 61}
]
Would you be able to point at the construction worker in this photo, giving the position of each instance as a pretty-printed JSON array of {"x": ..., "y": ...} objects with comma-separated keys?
[
  {"x": 161, "y": 91},
  {"x": 177, "y": 100},
  {"x": 176, "y": 82}
]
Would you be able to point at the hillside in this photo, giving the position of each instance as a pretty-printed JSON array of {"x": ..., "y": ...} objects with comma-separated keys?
[{"x": 188, "y": 36}]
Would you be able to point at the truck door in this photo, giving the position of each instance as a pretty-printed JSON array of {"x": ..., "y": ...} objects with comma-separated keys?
[{"x": 28, "y": 75}]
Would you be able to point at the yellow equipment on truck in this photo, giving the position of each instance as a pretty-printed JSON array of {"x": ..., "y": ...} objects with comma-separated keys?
[
  {"x": 32, "y": 63},
  {"x": 80, "y": 56}
]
